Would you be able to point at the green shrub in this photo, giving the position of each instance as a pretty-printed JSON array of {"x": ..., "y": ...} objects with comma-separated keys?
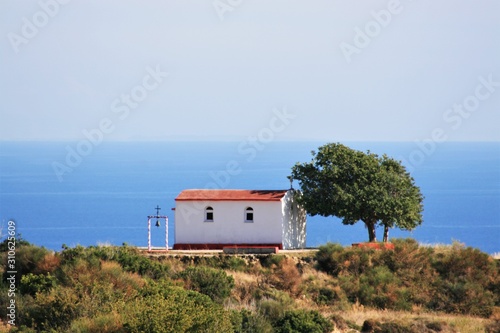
[
  {"x": 130, "y": 258},
  {"x": 272, "y": 260},
  {"x": 326, "y": 296},
  {"x": 327, "y": 258},
  {"x": 90, "y": 289},
  {"x": 272, "y": 309},
  {"x": 175, "y": 310},
  {"x": 333, "y": 259},
  {"x": 463, "y": 298},
  {"x": 467, "y": 282},
  {"x": 254, "y": 323},
  {"x": 454, "y": 279},
  {"x": 236, "y": 318},
  {"x": 27, "y": 259},
  {"x": 69, "y": 255},
  {"x": 466, "y": 264},
  {"x": 32, "y": 284},
  {"x": 20, "y": 241},
  {"x": 379, "y": 288},
  {"x": 300, "y": 321},
  {"x": 413, "y": 267},
  {"x": 53, "y": 310},
  {"x": 22, "y": 329},
  {"x": 221, "y": 261},
  {"x": 212, "y": 282},
  {"x": 106, "y": 323},
  {"x": 234, "y": 263}
]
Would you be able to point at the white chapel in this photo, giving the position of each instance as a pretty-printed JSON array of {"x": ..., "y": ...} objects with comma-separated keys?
[{"x": 214, "y": 219}]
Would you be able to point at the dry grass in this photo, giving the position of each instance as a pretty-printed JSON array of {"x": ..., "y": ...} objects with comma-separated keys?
[
  {"x": 176, "y": 265},
  {"x": 244, "y": 287},
  {"x": 48, "y": 263},
  {"x": 443, "y": 248},
  {"x": 4, "y": 327},
  {"x": 462, "y": 324},
  {"x": 287, "y": 277},
  {"x": 309, "y": 273}
]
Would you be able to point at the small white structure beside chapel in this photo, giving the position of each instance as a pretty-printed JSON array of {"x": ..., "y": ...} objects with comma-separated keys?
[{"x": 213, "y": 219}]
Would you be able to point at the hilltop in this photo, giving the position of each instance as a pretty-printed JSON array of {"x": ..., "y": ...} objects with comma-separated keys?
[{"x": 334, "y": 289}]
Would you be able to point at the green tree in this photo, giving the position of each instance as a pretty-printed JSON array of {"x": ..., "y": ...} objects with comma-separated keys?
[
  {"x": 401, "y": 201},
  {"x": 356, "y": 186}
]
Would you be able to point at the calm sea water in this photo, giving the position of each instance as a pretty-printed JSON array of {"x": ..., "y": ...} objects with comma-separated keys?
[{"x": 109, "y": 193}]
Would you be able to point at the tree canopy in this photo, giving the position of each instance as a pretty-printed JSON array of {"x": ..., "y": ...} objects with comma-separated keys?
[{"x": 356, "y": 186}]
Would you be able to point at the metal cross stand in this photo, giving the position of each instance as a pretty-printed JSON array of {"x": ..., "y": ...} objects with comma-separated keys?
[{"x": 157, "y": 217}]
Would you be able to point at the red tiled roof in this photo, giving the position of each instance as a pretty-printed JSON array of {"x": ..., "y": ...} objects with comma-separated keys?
[{"x": 231, "y": 195}]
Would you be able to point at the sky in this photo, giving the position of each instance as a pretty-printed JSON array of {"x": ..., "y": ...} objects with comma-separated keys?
[{"x": 230, "y": 69}]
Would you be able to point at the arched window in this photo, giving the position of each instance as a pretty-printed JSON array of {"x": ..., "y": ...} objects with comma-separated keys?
[
  {"x": 249, "y": 214},
  {"x": 209, "y": 214}
]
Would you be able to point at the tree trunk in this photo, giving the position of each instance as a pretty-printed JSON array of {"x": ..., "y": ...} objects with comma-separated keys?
[
  {"x": 370, "y": 225},
  {"x": 386, "y": 234}
]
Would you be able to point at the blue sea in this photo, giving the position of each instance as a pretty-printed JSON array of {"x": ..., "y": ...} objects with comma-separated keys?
[{"x": 74, "y": 193}]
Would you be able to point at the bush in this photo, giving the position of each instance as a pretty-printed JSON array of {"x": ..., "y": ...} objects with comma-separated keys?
[
  {"x": 284, "y": 275},
  {"x": 272, "y": 260},
  {"x": 107, "y": 323},
  {"x": 53, "y": 310},
  {"x": 466, "y": 264},
  {"x": 130, "y": 258},
  {"x": 222, "y": 261},
  {"x": 467, "y": 282},
  {"x": 454, "y": 279},
  {"x": 334, "y": 260},
  {"x": 32, "y": 284},
  {"x": 28, "y": 259},
  {"x": 80, "y": 289},
  {"x": 254, "y": 323},
  {"x": 327, "y": 258},
  {"x": 301, "y": 321},
  {"x": 412, "y": 266},
  {"x": 20, "y": 241},
  {"x": 209, "y": 281},
  {"x": 326, "y": 296},
  {"x": 380, "y": 288},
  {"x": 235, "y": 264},
  {"x": 175, "y": 310},
  {"x": 272, "y": 309},
  {"x": 463, "y": 298}
]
